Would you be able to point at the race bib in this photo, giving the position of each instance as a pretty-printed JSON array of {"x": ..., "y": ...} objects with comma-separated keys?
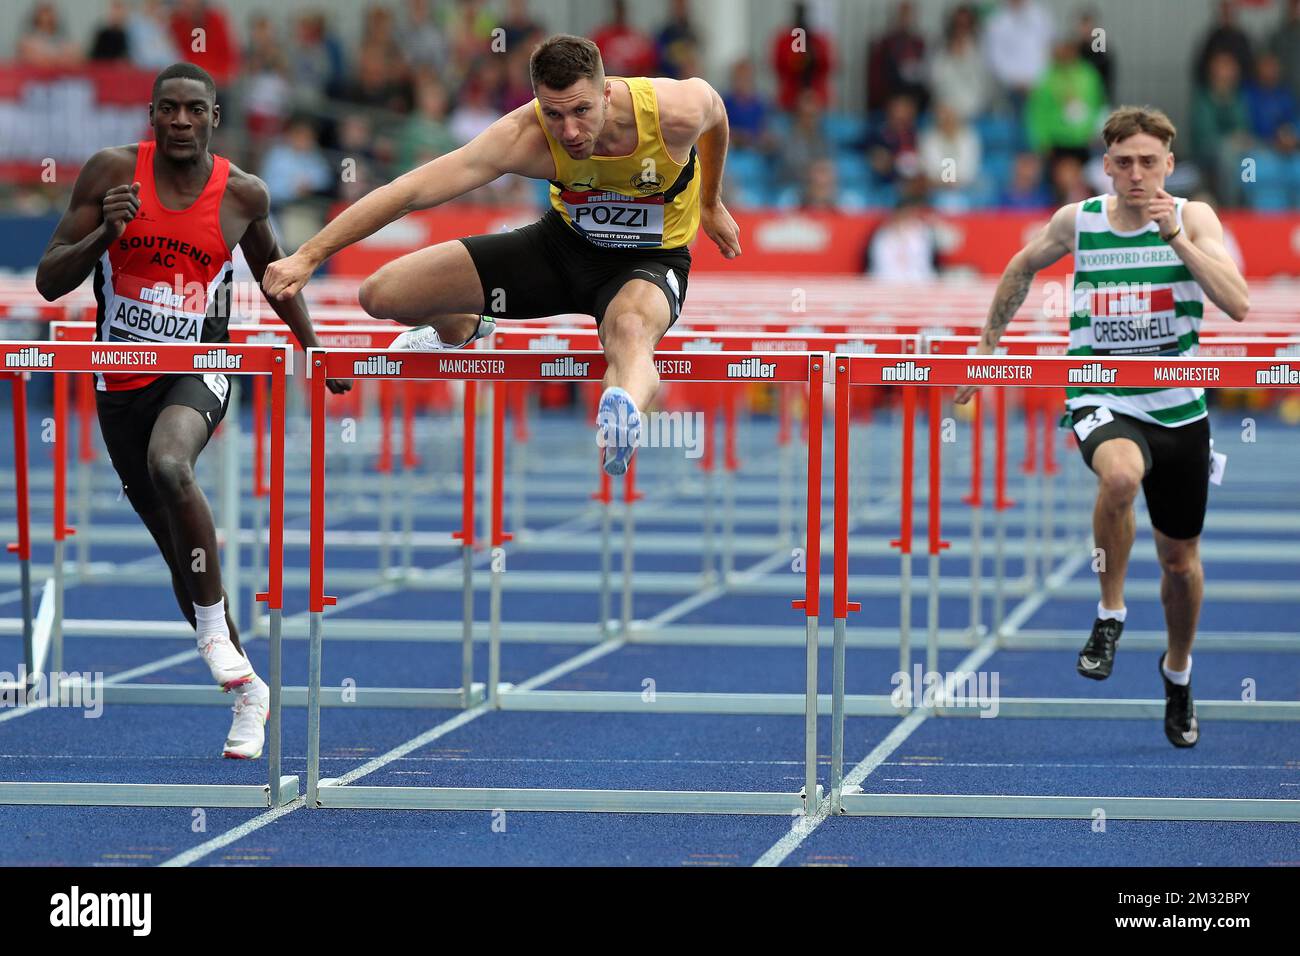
[
  {"x": 1133, "y": 320},
  {"x": 140, "y": 311},
  {"x": 615, "y": 221},
  {"x": 1091, "y": 422}
]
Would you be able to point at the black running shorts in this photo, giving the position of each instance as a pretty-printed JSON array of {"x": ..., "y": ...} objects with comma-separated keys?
[
  {"x": 545, "y": 269},
  {"x": 1176, "y": 482},
  {"x": 126, "y": 419}
]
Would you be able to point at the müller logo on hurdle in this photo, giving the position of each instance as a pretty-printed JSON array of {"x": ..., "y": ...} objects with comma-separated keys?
[
  {"x": 702, "y": 345},
  {"x": 1278, "y": 375},
  {"x": 377, "y": 365},
  {"x": 564, "y": 367},
  {"x": 1094, "y": 373},
  {"x": 854, "y": 348},
  {"x": 905, "y": 372},
  {"x": 549, "y": 343},
  {"x": 29, "y": 358},
  {"x": 218, "y": 360},
  {"x": 751, "y": 368}
]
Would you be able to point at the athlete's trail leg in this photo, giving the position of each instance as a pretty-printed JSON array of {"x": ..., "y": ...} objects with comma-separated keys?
[
  {"x": 1119, "y": 467},
  {"x": 634, "y": 322},
  {"x": 437, "y": 286},
  {"x": 178, "y": 436},
  {"x": 1182, "y": 585}
]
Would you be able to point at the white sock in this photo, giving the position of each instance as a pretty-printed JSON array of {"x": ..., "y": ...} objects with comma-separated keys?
[
  {"x": 1181, "y": 678},
  {"x": 210, "y": 622},
  {"x": 1111, "y": 614}
]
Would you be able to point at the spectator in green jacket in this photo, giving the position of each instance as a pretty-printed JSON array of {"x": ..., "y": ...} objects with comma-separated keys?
[
  {"x": 426, "y": 135},
  {"x": 1220, "y": 125},
  {"x": 1066, "y": 106}
]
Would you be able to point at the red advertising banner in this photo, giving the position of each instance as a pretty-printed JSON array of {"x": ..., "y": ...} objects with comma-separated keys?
[
  {"x": 1055, "y": 371},
  {"x": 827, "y": 243},
  {"x": 53, "y": 119}
]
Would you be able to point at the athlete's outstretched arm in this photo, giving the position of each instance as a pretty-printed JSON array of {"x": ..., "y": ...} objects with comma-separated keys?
[
  {"x": 1055, "y": 240},
  {"x": 261, "y": 248},
  {"x": 507, "y": 146},
  {"x": 96, "y": 215},
  {"x": 1200, "y": 246}
]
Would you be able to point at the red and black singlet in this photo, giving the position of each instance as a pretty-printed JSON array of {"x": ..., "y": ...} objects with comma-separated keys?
[{"x": 167, "y": 277}]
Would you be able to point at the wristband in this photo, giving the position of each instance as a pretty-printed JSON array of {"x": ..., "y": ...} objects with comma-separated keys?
[{"x": 1173, "y": 235}]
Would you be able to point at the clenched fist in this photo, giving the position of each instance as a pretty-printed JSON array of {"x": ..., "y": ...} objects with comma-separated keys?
[
  {"x": 121, "y": 203},
  {"x": 285, "y": 277},
  {"x": 1162, "y": 210}
]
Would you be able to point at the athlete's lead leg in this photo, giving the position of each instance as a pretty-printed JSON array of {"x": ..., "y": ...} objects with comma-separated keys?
[{"x": 634, "y": 322}]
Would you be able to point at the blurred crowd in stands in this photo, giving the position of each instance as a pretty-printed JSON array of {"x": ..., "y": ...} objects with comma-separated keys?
[{"x": 1003, "y": 110}]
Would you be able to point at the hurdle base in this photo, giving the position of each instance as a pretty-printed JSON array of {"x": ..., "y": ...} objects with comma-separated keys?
[
  {"x": 146, "y": 794},
  {"x": 1069, "y": 807},
  {"x": 332, "y": 796},
  {"x": 882, "y": 705},
  {"x": 208, "y": 695}
]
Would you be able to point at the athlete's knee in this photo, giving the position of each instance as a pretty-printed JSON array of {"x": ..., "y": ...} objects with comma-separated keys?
[
  {"x": 1180, "y": 560},
  {"x": 1118, "y": 485},
  {"x": 171, "y": 473},
  {"x": 375, "y": 296},
  {"x": 626, "y": 332}
]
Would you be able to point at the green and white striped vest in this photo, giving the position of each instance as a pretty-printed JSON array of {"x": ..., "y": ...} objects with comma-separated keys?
[{"x": 1132, "y": 295}]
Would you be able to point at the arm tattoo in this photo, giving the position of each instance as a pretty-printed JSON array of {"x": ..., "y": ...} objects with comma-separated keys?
[{"x": 1006, "y": 303}]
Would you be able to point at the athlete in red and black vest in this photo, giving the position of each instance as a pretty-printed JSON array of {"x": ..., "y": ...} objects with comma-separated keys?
[{"x": 157, "y": 223}]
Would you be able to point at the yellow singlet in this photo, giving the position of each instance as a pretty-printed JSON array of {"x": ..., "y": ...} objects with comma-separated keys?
[{"x": 645, "y": 200}]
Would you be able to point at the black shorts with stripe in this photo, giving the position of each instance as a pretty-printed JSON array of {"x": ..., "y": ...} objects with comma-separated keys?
[
  {"x": 1176, "y": 480},
  {"x": 127, "y": 418},
  {"x": 545, "y": 268}
]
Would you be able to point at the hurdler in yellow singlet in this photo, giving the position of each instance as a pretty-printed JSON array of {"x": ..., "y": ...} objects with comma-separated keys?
[{"x": 644, "y": 200}]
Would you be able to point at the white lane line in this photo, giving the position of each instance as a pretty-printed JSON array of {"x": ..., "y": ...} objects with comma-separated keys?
[
  {"x": 804, "y": 828},
  {"x": 231, "y": 836}
]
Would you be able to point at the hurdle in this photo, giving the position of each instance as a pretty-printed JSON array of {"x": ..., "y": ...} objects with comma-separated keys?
[
  {"x": 500, "y": 367},
  {"x": 77, "y": 357},
  {"x": 232, "y": 506},
  {"x": 687, "y": 343},
  {"x": 935, "y": 373},
  {"x": 277, "y": 337}
]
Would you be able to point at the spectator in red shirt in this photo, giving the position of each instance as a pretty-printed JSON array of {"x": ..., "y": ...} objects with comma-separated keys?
[
  {"x": 896, "y": 62},
  {"x": 802, "y": 60},
  {"x": 217, "y": 52},
  {"x": 625, "y": 50}
]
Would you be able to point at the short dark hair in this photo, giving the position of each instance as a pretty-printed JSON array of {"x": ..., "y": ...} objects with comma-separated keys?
[
  {"x": 560, "y": 61},
  {"x": 185, "y": 71}
]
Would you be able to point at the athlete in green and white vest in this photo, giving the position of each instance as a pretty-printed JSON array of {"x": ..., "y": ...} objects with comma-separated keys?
[
  {"x": 1132, "y": 295},
  {"x": 1144, "y": 263}
]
